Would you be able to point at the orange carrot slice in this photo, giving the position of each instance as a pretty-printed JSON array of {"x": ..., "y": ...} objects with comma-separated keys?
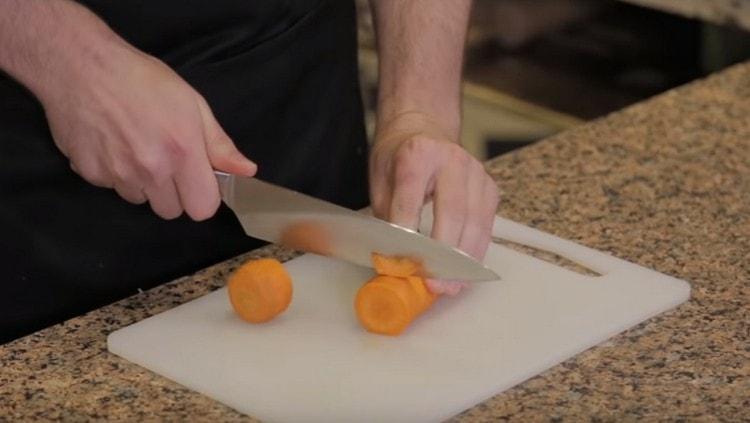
[
  {"x": 388, "y": 303},
  {"x": 385, "y": 305},
  {"x": 260, "y": 290},
  {"x": 395, "y": 266}
]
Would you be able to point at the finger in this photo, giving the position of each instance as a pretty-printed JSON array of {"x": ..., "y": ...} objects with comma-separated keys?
[
  {"x": 492, "y": 196},
  {"x": 450, "y": 212},
  {"x": 410, "y": 181},
  {"x": 380, "y": 198},
  {"x": 222, "y": 153},
  {"x": 440, "y": 287},
  {"x": 475, "y": 234},
  {"x": 450, "y": 202},
  {"x": 477, "y": 231},
  {"x": 380, "y": 201},
  {"x": 164, "y": 200},
  {"x": 196, "y": 184},
  {"x": 130, "y": 193},
  {"x": 127, "y": 180},
  {"x": 92, "y": 172}
]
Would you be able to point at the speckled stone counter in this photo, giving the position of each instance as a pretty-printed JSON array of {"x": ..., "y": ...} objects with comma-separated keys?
[{"x": 665, "y": 184}]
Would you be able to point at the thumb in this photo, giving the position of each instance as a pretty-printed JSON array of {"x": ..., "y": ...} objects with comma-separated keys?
[{"x": 222, "y": 153}]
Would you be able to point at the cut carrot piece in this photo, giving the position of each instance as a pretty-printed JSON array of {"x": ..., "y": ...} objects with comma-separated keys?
[
  {"x": 395, "y": 266},
  {"x": 387, "y": 305},
  {"x": 307, "y": 236},
  {"x": 404, "y": 289},
  {"x": 260, "y": 290}
]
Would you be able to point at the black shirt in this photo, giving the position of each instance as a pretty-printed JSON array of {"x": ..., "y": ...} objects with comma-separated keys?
[{"x": 280, "y": 77}]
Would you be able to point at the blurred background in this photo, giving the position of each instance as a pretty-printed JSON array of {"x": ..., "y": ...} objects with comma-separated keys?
[{"x": 536, "y": 67}]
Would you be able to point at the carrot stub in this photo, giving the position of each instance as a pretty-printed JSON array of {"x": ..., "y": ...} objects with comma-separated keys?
[
  {"x": 387, "y": 304},
  {"x": 260, "y": 290}
]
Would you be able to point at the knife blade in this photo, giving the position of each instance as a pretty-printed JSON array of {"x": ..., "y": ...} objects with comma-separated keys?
[{"x": 282, "y": 216}]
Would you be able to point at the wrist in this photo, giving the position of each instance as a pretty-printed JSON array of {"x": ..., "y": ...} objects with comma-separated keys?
[
  {"x": 54, "y": 45},
  {"x": 85, "y": 54},
  {"x": 434, "y": 105},
  {"x": 443, "y": 122}
]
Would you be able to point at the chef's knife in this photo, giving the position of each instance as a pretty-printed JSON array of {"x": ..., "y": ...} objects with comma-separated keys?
[{"x": 282, "y": 216}]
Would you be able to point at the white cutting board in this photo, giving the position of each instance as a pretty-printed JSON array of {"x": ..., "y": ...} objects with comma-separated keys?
[{"x": 315, "y": 364}]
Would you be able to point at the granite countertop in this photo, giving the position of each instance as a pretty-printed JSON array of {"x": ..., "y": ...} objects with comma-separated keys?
[{"x": 665, "y": 184}]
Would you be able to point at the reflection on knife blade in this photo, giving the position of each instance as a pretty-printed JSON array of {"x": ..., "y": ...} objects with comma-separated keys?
[{"x": 283, "y": 216}]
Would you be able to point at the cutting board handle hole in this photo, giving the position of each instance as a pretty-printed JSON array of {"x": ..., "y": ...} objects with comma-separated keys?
[{"x": 547, "y": 256}]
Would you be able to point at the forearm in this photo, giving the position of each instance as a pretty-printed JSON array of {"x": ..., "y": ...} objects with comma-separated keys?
[
  {"x": 43, "y": 42},
  {"x": 420, "y": 49}
]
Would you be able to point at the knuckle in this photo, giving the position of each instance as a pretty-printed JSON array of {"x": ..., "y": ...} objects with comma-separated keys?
[
  {"x": 92, "y": 174},
  {"x": 423, "y": 146},
  {"x": 155, "y": 169},
  {"x": 419, "y": 144},
  {"x": 176, "y": 147},
  {"x": 122, "y": 173},
  {"x": 407, "y": 161},
  {"x": 404, "y": 155},
  {"x": 458, "y": 155}
]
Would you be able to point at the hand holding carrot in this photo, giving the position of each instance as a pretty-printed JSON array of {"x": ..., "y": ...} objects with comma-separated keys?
[{"x": 412, "y": 162}]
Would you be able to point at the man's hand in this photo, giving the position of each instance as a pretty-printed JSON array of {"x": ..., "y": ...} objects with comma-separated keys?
[
  {"x": 416, "y": 156},
  {"x": 412, "y": 162},
  {"x": 124, "y": 119},
  {"x": 147, "y": 134}
]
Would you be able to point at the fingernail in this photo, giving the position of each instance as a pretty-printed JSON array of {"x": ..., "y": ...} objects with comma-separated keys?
[
  {"x": 435, "y": 286},
  {"x": 450, "y": 288},
  {"x": 453, "y": 289}
]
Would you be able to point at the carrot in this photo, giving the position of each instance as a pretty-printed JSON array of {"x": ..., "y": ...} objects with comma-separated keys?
[
  {"x": 387, "y": 304},
  {"x": 260, "y": 290},
  {"x": 395, "y": 266}
]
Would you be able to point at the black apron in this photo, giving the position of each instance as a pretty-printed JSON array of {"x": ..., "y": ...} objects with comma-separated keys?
[{"x": 281, "y": 78}]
